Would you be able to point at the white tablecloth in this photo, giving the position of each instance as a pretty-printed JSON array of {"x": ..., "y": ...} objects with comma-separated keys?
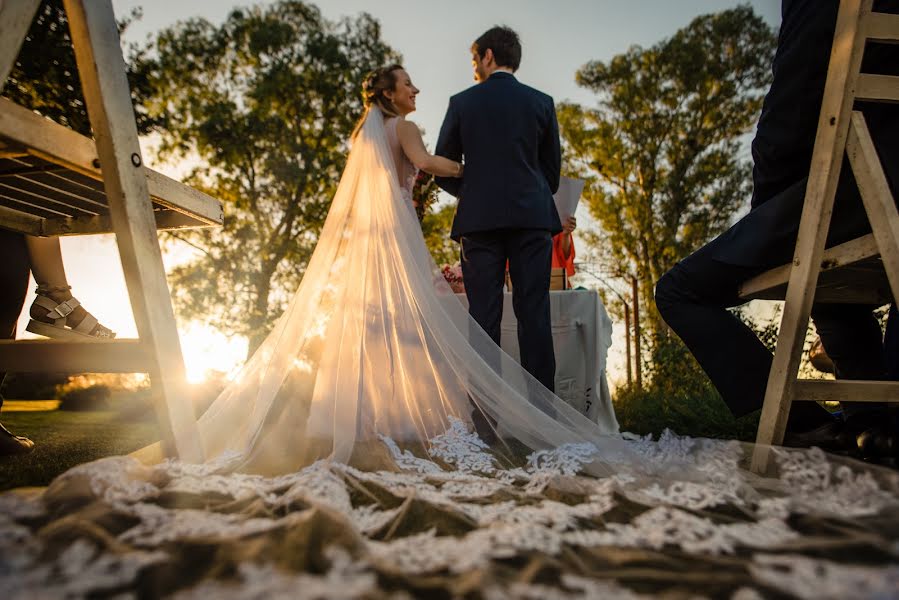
[{"x": 582, "y": 335}]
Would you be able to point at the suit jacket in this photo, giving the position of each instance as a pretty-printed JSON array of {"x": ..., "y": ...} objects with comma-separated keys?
[
  {"x": 785, "y": 137},
  {"x": 509, "y": 137}
]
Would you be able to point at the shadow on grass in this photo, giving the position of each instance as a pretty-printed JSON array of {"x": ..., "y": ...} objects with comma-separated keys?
[{"x": 64, "y": 439}]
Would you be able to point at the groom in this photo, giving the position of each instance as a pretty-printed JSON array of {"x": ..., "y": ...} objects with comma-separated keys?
[{"x": 509, "y": 137}]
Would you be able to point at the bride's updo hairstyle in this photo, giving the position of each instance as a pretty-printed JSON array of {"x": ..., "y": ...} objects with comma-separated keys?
[{"x": 374, "y": 88}]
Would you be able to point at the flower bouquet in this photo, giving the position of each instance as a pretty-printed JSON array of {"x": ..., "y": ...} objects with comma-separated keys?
[{"x": 453, "y": 276}]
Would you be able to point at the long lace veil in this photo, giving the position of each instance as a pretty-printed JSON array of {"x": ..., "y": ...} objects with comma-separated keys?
[{"x": 375, "y": 345}]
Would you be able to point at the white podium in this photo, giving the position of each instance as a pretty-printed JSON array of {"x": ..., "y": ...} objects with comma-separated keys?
[{"x": 582, "y": 335}]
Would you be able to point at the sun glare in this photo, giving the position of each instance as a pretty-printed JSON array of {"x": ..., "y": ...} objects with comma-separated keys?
[{"x": 207, "y": 350}]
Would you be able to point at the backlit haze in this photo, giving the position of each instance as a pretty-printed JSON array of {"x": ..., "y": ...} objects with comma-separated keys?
[{"x": 433, "y": 37}]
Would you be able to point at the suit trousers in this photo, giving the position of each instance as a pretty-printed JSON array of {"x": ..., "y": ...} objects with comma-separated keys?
[
  {"x": 529, "y": 255},
  {"x": 14, "y": 271}
]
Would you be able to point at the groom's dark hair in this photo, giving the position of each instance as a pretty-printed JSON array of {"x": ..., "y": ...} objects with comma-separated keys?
[{"x": 505, "y": 45}]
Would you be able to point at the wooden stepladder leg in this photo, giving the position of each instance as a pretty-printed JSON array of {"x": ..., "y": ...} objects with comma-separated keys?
[
  {"x": 827, "y": 158},
  {"x": 106, "y": 92},
  {"x": 876, "y": 196},
  {"x": 16, "y": 17}
]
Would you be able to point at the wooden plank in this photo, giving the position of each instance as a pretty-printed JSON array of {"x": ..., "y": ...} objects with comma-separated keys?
[
  {"x": 835, "y": 257},
  {"x": 876, "y": 196},
  {"x": 48, "y": 140},
  {"x": 863, "y": 282},
  {"x": 824, "y": 172},
  {"x": 166, "y": 220},
  {"x": 40, "y": 200},
  {"x": 60, "y": 145},
  {"x": 71, "y": 183},
  {"x": 15, "y": 220},
  {"x": 877, "y": 88},
  {"x": 846, "y": 391},
  {"x": 16, "y": 17},
  {"x": 23, "y": 205},
  {"x": 882, "y": 27},
  {"x": 76, "y": 202},
  {"x": 105, "y": 356},
  {"x": 102, "y": 70},
  {"x": 177, "y": 196}
]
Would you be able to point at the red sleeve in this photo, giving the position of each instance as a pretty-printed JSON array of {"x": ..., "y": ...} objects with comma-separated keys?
[{"x": 559, "y": 259}]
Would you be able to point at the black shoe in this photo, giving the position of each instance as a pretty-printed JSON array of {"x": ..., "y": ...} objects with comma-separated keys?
[
  {"x": 13, "y": 444},
  {"x": 484, "y": 426},
  {"x": 827, "y": 437},
  {"x": 880, "y": 441}
]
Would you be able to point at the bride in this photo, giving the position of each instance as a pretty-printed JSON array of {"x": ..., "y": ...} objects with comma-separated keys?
[{"x": 375, "y": 347}]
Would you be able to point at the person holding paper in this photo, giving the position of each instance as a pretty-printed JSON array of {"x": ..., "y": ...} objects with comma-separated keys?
[
  {"x": 563, "y": 247},
  {"x": 566, "y": 199}
]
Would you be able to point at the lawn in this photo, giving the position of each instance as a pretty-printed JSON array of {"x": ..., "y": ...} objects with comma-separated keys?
[{"x": 64, "y": 439}]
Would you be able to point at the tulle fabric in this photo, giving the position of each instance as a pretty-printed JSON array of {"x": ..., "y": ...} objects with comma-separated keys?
[{"x": 375, "y": 345}]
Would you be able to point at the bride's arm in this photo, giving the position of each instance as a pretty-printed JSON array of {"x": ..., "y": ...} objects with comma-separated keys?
[{"x": 414, "y": 149}]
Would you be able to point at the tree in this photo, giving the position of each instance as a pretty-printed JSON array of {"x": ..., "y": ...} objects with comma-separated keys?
[
  {"x": 662, "y": 150},
  {"x": 436, "y": 219},
  {"x": 266, "y": 101},
  {"x": 45, "y": 76}
]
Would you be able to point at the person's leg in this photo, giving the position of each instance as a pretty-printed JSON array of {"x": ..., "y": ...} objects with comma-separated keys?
[
  {"x": 530, "y": 264},
  {"x": 852, "y": 338},
  {"x": 483, "y": 270},
  {"x": 693, "y": 298},
  {"x": 14, "y": 270},
  {"x": 45, "y": 257}
]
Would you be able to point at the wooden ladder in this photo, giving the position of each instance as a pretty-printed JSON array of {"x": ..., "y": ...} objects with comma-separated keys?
[
  {"x": 840, "y": 129},
  {"x": 122, "y": 204}
]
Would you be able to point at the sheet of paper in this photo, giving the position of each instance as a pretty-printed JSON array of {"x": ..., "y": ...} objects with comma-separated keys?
[{"x": 568, "y": 196}]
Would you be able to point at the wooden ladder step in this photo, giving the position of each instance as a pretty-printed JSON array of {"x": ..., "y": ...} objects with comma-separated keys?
[
  {"x": 102, "y": 356},
  {"x": 771, "y": 285},
  {"x": 846, "y": 391},
  {"x": 882, "y": 27},
  {"x": 877, "y": 88}
]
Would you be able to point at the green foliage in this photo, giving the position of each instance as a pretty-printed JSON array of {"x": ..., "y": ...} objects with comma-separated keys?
[
  {"x": 32, "y": 386},
  {"x": 435, "y": 226},
  {"x": 95, "y": 397},
  {"x": 436, "y": 220},
  {"x": 680, "y": 397},
  {"x": 661, "y": 151},
  {"x": 267, "y": 101},
  {"x": 45, "y": 76}
]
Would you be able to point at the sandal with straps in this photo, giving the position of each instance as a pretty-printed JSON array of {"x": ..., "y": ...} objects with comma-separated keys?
[{"x": 55, "y": 322}]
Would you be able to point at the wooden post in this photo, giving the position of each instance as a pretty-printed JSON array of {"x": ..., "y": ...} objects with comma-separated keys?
[
  {"x": 824, "y": 173},
  {"x": 16, "y": 17},
  {"x": 102, "y": 70},
  {"x": 637, "y": 362},
  {"x": 627, "y": 341}
]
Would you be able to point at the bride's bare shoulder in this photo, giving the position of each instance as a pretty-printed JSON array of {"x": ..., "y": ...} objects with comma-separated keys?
[{"x": 407, "y": 127}]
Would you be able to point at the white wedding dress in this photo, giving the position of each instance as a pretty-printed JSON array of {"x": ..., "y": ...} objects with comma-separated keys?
[
  {"x": 375, "y": 345},
  {"x": 371, "y": 369}
]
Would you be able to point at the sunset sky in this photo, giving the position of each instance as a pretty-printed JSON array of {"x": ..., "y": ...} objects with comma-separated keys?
[{"x": 557, "y": 37}]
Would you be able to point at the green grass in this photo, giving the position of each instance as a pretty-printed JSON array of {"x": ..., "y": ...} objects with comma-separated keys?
[{"x": 64, "y": 439}]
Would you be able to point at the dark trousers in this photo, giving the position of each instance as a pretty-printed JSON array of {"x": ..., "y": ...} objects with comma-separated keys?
[
  {"x": 693, "y": 298},
  {"x": 14, "y": 270},
  {"x": 529, "y": 254}
]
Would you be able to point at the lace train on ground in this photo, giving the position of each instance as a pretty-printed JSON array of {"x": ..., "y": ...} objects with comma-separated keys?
[{"x": 459, "y": 523}]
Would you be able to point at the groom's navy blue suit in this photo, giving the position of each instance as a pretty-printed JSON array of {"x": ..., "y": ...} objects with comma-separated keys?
[{"x": 509, "y": 137}]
